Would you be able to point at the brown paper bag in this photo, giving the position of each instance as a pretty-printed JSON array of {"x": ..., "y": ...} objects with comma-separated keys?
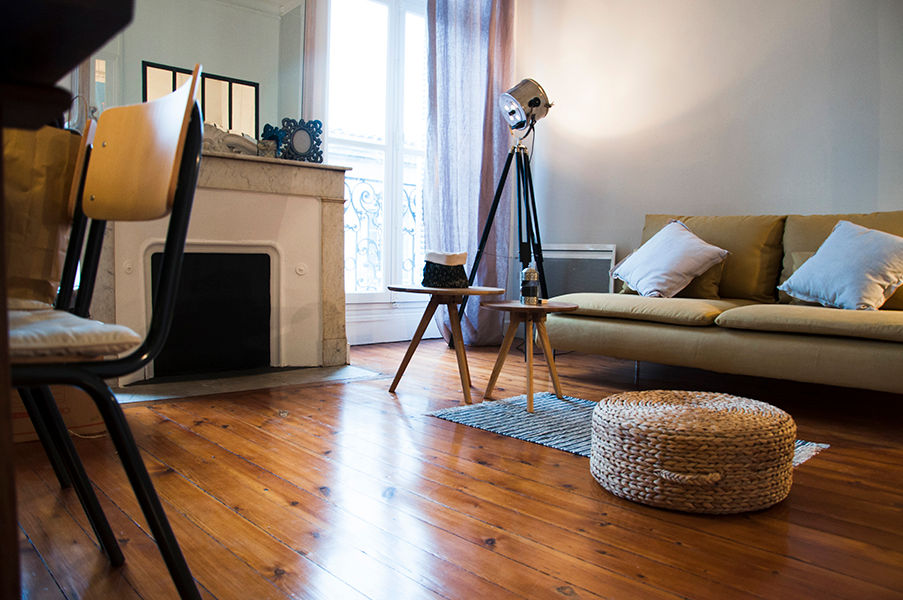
[
  {"x": 38, "y": 167},
  {"x": 79, "y": 413}
]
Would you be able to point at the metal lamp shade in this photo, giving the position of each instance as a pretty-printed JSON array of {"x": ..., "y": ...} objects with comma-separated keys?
[{"x": 523, "y": 104}]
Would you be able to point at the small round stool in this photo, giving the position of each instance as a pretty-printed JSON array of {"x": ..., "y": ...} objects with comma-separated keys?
[{"x": 698, "y": 452}]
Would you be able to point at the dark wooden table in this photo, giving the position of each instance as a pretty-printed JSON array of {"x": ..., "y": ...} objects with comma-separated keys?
[
  {"x": 40, "y": 41},
  {"x": 529, "y": 315}
]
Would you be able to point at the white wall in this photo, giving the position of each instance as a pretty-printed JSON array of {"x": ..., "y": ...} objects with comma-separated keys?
[
  {"x": 711, "y": 107},
  {"x": 291, "y": 61},
  {"x": 227, "y": 40}
]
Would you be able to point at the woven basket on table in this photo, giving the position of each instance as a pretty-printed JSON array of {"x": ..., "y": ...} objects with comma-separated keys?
[{"x": 693, "y": 451}]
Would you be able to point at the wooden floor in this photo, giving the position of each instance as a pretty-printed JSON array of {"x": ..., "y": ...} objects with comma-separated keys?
[{"x": 343, "y": 490}]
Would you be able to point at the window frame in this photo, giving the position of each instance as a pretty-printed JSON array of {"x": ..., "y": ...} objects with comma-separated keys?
[
  {"x": 393, "y": 149},
  {"x": 204, "y": 78}
]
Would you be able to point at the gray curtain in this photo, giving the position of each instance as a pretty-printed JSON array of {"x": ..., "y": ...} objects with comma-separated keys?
[{"x": 470, "y": 64}]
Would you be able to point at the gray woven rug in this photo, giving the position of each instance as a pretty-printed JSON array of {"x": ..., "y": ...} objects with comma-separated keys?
[{"x": 558, "y": 423}]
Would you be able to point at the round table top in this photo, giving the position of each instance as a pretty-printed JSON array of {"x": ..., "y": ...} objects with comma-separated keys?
[
  {"x": 474, "y": 290},
  {"x": 517, "y": 306}
]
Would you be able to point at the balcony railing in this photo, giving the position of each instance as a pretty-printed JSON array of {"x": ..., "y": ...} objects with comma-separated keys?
[{"x": 366, "y": 238}]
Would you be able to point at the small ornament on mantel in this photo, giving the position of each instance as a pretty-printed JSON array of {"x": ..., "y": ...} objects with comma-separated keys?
[{"x": 296, "y": 140}]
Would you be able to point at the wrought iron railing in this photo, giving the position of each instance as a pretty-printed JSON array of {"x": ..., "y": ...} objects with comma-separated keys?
[{"x": 366, "y": 238}]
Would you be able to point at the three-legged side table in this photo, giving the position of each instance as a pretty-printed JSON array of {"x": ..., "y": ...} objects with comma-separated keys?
[
  {"x": 451, "y": 297},
  {"x": 529, "y": 315}
]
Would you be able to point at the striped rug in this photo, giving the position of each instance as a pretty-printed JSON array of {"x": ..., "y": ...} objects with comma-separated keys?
[{"x": 558, "y": 423}]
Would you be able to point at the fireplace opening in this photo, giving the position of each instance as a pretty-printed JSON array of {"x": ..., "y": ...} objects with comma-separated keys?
[{"x": 222, "y": 315}]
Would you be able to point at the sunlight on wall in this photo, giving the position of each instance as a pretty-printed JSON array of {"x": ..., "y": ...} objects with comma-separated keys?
[
  {"x": 710, "y": 107},
  {"x": 627, "y": 69}
]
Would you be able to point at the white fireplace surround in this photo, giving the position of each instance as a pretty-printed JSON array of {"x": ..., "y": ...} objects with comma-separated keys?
[{"x": 291, "y": 211}]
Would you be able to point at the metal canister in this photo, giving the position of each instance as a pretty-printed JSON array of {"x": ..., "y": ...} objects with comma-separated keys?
[{"x": 529, "y": 286}]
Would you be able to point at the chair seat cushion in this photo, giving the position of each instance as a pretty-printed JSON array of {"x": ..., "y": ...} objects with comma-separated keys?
[
  {"x": 816, "y": 320},
  {"x": 26, "y": 304},
  {"x": 697, "y": 312},
  {"x": 50, "y": 334}
]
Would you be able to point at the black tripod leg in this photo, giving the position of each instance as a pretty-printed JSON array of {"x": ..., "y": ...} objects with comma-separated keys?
[
  {"x": 523, "y": 214},
  {"x": 40, "y": 428},
  {"x": 488, "y": 226},
  {"x": 59, "y": 435},
  {"x": 537, "y": 241}
]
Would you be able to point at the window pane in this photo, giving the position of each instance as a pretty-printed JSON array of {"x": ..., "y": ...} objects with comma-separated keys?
[
  {"x": 182, "y": 78},
  {"x": 244, "y": 109},
  {"x": 413, "y": 246},
  {"x": 159, "y": 83},
  {"x": 415, "y": 82},
  {"x": 216, "y": 102},
  {"x": 358, "y": 45},
  {"x": 364, "y": 218},
  {"x": 100, "y": 84}
]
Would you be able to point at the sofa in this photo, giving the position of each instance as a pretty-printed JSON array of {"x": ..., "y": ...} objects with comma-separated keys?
[{"x": 733, "y": 319}]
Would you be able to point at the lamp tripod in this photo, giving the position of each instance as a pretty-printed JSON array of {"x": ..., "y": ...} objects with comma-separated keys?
[{"x": 529, "y": 242}]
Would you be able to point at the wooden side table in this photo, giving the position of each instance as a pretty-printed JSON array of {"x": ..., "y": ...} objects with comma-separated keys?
[
  {"x": 451, "y": 297},
  {"x": 529, "y": 315}
]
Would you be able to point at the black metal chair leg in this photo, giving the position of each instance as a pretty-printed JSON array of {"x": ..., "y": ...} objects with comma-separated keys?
[
  {"x": 52, "y": 452},
  {"x": 49, "y": 414},
  {"x": 121, "y": 434}
]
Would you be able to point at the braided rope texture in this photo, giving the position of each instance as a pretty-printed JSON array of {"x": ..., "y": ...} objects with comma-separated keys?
[{"x": 700, "y": 452}]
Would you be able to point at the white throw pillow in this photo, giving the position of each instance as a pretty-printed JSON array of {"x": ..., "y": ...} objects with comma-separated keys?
[
  {"x": 854, "y": 268},
  {"x": 668, "y": 261}
]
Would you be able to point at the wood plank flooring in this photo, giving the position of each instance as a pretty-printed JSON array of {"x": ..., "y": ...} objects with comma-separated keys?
[{"x": 343, "y": 490}]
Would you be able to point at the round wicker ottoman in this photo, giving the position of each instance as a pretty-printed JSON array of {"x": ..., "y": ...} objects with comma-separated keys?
[{"x": 699, "y": 452}]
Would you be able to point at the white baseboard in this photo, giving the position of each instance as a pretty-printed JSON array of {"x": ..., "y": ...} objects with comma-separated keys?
[{"x": 376, "y": 323}]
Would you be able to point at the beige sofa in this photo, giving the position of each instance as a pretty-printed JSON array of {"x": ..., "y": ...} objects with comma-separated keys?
[{"x": 732, "y": 319}]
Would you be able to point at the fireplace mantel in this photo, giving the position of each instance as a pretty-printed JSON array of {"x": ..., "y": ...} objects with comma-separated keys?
[{"x": 293, "y": 211}]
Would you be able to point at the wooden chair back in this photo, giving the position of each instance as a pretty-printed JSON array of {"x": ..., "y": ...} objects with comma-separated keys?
[
  {"x": 81, "y": 161},
  {"x": 137, "y": 154}
]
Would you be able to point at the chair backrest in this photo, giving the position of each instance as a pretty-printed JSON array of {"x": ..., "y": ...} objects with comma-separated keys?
[
  {"x": 170, "y": 268},
  {"x": 134, "y": 166},
  {"x": 77, "y": 218},
  {"x": 81, "y": 161}
]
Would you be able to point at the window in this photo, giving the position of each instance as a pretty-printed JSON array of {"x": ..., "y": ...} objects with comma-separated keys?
[
  {"x": 376, "y": 124},
  {"x": 228, "y": 103}
]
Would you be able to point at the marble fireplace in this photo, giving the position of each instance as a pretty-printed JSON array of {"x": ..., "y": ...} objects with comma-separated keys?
[{"x": 291, "y": 212}]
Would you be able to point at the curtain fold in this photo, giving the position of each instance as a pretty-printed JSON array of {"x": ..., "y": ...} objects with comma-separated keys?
[{"x": 470, "y": 65}]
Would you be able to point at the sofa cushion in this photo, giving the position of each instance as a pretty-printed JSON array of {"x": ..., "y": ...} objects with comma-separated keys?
[
  {"x": 704, "y": 286},
  {"x": 805, "y": 233},
  {"x": 816, "y": 320},
  {"x": 668, "y": 261},
  {"x": 695, "y": 312},
  {"x": 754, "y": 241},
  {"x": 856, "y": 268}
]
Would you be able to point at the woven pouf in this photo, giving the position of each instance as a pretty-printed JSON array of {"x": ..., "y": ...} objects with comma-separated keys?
[{"x": 699, "y": 452}]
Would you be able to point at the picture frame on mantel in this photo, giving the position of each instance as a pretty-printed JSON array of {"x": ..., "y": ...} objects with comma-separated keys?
[{"x": 297, "y": 139}]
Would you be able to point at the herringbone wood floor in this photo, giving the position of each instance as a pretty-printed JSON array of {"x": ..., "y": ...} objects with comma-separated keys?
[{"x": 342, "y": 490}]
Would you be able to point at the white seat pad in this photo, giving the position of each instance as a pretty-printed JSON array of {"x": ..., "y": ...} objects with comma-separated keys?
[{"x": 56, "y": 333}]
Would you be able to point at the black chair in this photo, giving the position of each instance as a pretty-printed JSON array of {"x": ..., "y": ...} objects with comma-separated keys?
[{"x": 144, "y": 165}]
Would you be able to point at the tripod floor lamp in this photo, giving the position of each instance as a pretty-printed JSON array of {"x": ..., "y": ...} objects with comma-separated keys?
[{"x": 521, "y": 106}]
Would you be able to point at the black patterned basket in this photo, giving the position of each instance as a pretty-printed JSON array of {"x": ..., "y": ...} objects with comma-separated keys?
[{"x": 444, "y": 276}]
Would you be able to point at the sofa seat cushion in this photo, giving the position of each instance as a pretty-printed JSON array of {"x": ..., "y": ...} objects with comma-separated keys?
[
  {"x": 693, "y": 312},
  {"x": 883, "y": 325}
]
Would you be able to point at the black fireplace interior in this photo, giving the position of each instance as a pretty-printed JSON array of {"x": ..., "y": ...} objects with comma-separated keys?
[{"x": 222, "y": 316}]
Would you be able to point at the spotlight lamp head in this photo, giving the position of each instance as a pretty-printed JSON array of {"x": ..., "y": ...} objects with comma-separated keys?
[{"x": 524, "y": 104}]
